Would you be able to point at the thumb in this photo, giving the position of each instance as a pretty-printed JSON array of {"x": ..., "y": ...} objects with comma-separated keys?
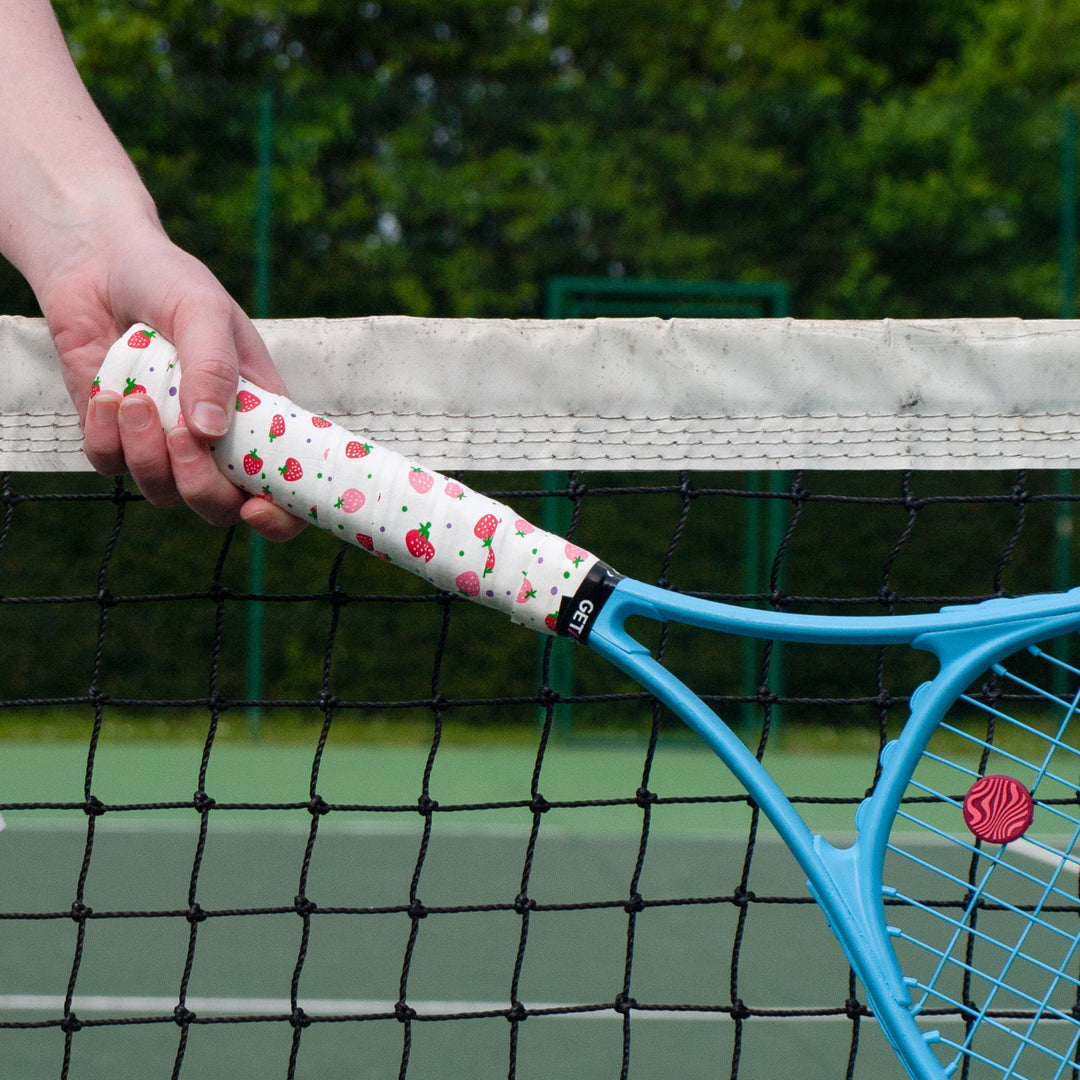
[{"x": 210, "y": 368}]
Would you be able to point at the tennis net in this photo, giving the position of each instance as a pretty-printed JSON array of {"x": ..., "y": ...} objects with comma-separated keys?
[{"x": 286, "y": 811}]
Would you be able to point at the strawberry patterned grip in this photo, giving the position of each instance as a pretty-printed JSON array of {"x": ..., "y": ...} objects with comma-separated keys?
[{"x": 460, "y": 541}]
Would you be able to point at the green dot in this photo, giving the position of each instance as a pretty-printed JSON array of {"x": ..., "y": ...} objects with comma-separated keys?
[
  {"x": 461, "y": 554},
  {"x": 318, "y": 476},
  {"x": 566, "y": 573},
  {"x": 404, "y": 509}
]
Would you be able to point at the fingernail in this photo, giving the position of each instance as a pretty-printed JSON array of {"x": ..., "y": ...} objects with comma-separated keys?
[
  {"x": 135, "y": 413},
  {"x": 103, "y": 410},
  {"x": 209, "y": 418},
  {"x": 182, "y": 445}
]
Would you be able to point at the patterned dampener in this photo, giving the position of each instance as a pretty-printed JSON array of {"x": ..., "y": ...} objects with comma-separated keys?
[{"x": 431, "y": 525}]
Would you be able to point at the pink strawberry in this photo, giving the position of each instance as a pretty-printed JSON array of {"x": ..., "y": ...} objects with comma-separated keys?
[
  {"x": 576, "y": 555},
  {"x": 421, "y": 480},
  {"x": 485, "y": 528},
  {"x": 132, "y": 387},
  {"x": 291, "y": 470},
  {"x": 357, "y": 449},
  {"x": 277, "y": 427},
  {"x": 526, "y": 592},
  {"x": 365, "y": 541},
  {"x": 523, "y": 527},
  {"x": 350, "y": 501},
  {"x": 319, "y": 422},
  {"x": 140, "y": 339},
  {"x": 468, "y": 583},
  {"x": 418, "y": 543},
  {"x": 252, "y": 463},
  {"x": 246, "y": 401},
  {"x": 95, "y": 388},
  {"x": 455, "y": 491}
]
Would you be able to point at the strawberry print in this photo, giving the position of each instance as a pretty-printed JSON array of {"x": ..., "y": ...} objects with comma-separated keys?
[
  {"x": 365, "y": 541},
  {"x": 485, "y": 528},
  {"x": 551, "y": 622},
  {"x": 421, "y": 481},
  {"x": 350, "y": 501},
  {"x": 523, "y": 528},
  {"x": 291, "y": 470},
  {"x": 95, "y": 387},
  {"x": 454, "y": 490},
  {"x": 252, "y": 463},
  {"x": 526, "y": 592},
  {"x": 576, "y": 555},
  {"x": 356, "y": 449},
  {"x": 141, "y": 339},
  {"x": 246, "y": 401},
  {"x": 468, "y": 583},
  {"x": 319, "y": 422},
  {"x": 132, "y": 387},
  {"x": 277, "y": 427},
  {"x": 419, "y": 544},
  {"x": 489, "y": 565}
]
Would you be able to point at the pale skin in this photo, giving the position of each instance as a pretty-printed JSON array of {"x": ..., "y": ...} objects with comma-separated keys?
[{"x": 78, "y": 223}]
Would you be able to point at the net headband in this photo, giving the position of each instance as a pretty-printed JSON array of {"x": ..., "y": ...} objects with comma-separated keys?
[{"x": 432, "y": 525}]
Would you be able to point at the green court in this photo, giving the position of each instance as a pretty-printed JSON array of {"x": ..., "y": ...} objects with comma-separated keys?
[{"x": 463, "y": 957}]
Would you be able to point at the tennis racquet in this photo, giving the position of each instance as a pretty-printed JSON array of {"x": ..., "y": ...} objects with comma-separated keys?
[{"x": 956, "y": 905}]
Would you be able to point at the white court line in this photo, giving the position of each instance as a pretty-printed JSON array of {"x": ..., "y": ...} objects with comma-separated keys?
[{"x": 1047, "y": 858}]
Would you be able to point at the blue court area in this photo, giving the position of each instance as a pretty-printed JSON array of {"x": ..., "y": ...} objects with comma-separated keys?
[{"x": 689, "y": 945}]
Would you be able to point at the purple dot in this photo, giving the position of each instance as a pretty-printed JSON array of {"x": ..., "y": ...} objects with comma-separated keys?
[
  {"x": 231, "y": 467},
  {"x": 539, "y": 560},
  {"x": 489, "y": 594},
  {"x": 172, "y": 391},
  {"x": 554, "y": 590}
]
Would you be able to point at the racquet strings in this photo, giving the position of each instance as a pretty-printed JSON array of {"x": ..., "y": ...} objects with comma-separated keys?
[{"x": 987, "y": 934}]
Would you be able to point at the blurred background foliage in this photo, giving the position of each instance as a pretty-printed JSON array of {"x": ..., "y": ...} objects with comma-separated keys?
[{"x": 449, "y": 158}]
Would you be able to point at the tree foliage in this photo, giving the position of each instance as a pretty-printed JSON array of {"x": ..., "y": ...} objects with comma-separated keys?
[{"x": 448, "y": 158}]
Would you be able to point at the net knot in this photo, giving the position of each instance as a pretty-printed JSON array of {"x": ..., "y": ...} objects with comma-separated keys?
[
  {"x": 303, "y": 906},
  {"x": 539, "y": 805},
  {"x": 739, "y": 1011},
  {"x": 317, "y": 806},
  {"x": 853, "y": 1008},
  {"x": 203, "y": 802},
  {"x": 106, "y": 598},
  {"x": 299, "y": 1019},
  {"x": 403, "y": 1012},
  {"x": 80, "y": 911},
  {"x": 624, "y": 1003},
  {"x": 425, "y": 805},
  {"x": 417, "y": 909},
  {"x": 182, "y": 1016},
  {"x": 743, "y": 897},
  {"x": 93, "y": 807},
  {"x": 517, "y": 1013},
  {"x": 523, "y": 904},
  {"x": 644, "y": 797},
  {"x": 634, "y": 905},
  {"x": 195, "y": 914},
  {"x": 70, "y": 1024}
]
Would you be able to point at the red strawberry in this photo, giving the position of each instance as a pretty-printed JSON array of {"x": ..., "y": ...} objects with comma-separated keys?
[
  {"x": 246, "y": 401},
  {"x": 551, "y": 622},
  {"x": 485, "y": 528},
  {"x": 319, "y": 422},
  {"x": 350, "y": 501},
  {"x": 95, "y": 388},
  {"x": 489, "y": 565},
  {"x": 132, "y": 387},
  {"x": 365, "y": 541},
  {"x": 575, "y": 554},
  {"x": 526, "y": 592},
  {"x": 140, "y": 339},
  {"x": 357, "y": 449},
  {"x": 421, "y": 480},
  {"x": 277, "y": 427},
  {"x": 468, "y": 583},
  {"x": 419, "y": 544},
  {"x": 291, "y": 470},
  {"x": 266, "y": 494},
  {"x": 252, "y": 463}
]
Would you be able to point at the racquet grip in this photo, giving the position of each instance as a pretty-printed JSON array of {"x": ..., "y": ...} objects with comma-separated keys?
[{"x": 435, "y": 527}]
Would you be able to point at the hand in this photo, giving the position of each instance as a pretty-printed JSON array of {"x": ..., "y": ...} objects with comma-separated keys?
[{"x": 142, "y": 276}]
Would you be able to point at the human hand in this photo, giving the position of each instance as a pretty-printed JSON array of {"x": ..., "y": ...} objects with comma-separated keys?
[{"x": 142, "y": 276}]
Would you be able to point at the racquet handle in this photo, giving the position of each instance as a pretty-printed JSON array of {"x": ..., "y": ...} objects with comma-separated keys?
[{"x": 457, "y": 539}]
